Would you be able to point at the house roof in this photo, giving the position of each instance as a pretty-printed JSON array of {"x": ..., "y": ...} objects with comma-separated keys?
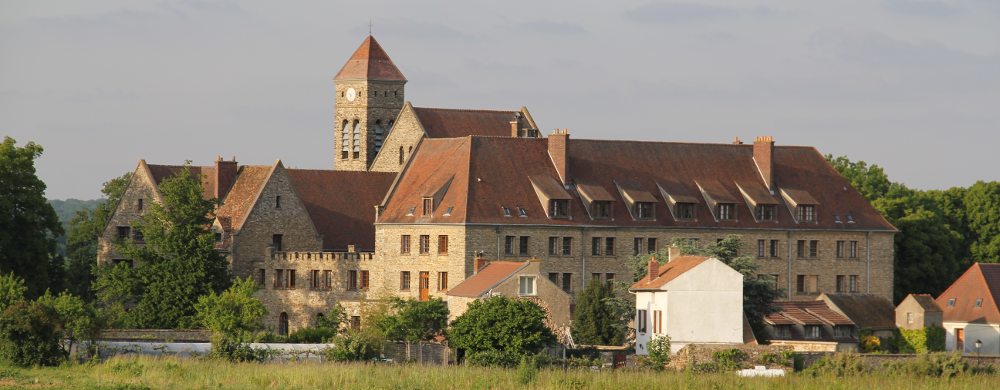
[
  {"x": 161, "y": 172},
  {"x": 926, "y": 302},
  {"x": 669, "y": 271},
  {"x": 242, "y": 196},
  {"x": 342, "y": 204},
  {"x": 808, "y": 313},
  {"x": 494, "y": 172},
  {"x": 450, "y": 123},
  {"x": 487, "y": 278},
  {"x": 370, "y": 62},
  {"x": 866, "y": 310},
  {"x": 981, "y": 281}
]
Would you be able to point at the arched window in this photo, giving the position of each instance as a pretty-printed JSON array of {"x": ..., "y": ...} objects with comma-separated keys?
[
  {"x": 400, "y": 155},
  {"x": 319, "y": 317},
  {"x": 283, "y": 324},
  {"x": 378, "y": 135},
  {"x": 357, "y": 139},
  {"x": 346, "y": 140}
]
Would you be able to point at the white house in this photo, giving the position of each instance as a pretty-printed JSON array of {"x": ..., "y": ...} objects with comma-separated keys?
[
  {"x": 970, "y": 312},
  {"x": 694, "y": 299}
]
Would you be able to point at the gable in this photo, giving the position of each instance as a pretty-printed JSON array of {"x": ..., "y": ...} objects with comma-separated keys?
[
  {"x": 979, "y": 282},
  {"x": 709, "y": 275}
]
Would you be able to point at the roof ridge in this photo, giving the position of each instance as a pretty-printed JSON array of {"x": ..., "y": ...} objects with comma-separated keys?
[
  {"x": 465, "y": 109},
  {"x": 682, "y": 143}
]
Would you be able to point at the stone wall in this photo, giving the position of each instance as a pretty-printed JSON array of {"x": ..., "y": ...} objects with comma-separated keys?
[
  {"x": 456, "y": 262},
  {"x": 141, "y": 186},
  {"x": 162, "y": 335},
  {"x": 406, "y": 134},
  {"x": 376, "y": 100},
  {"x": 693, "y": 354}
]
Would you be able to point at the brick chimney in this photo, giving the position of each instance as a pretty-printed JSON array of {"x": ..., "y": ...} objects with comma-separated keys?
[
  {"x": 225, "y": 175},
  {"x": 515, "y": 125},
  {"x": 763, "y": 150},
  {"x": 479, "y": 264},
  {"x": 673, "y": 252},
  {"x": 654, "y": 269},
  {"x": 559, "y": 152}
]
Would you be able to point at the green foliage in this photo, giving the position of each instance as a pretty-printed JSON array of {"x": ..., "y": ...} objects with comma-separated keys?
[
  {"x": 11, "y": 290},
  {"x": 594, "y": 322},
  {"x": 356, "y": 345},
  {"x": 493, "y": 358},
  {"x": 336, "y": 318},
  {"x": 939, "y": 365},
  {"x": 782, "y": 359},
  {"x": 30, "y": 335},
  {"x": 924, "y": 340},
  {"x": 233, "y": 316},
  {"x": 586, "y": 352},
  {"x": 81, "y": 320},
  {"x": 501, "y": 323},
  {"x": 870, "y": 344},
  {"x": 870, "y": 181},
  {"x": 729, "y": 359},
  {"x": 28, "y": 223},
  {"x": 983, "y": 210},
  {"x": 177, "y": 264},
  {"x": 414, "y": 320},
  {"x": 527, "y": 370},
  {"x": 311, "y": 335},
  {"x": 659, "y": 351},
  {"x": 839, "y": 364},
  {"x": 84, "y": 229}
]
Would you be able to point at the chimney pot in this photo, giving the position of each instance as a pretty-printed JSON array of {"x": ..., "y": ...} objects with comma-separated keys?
[
  {"x": 654, "y": 269},
  {"x": 673, "y": 252},
  {"x": 225, "y": 176},
  {"x": 480, "y": 263}
]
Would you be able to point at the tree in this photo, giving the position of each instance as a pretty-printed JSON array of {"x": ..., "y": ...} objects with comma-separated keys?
[
  {"x": 983, "y": 209},
  {"x": 501, "y": 323},
  {"x": 28, "y": 223},
  {"x": 11, "y": 290},
  {"x": 81, "y": 244},
  {"x": 870, "y": 181},
  {"x": 80, "y": 320},
  {"x": 595, "y": 322},
  {"x": 659, "y": 352},
  {"x": 233, "y": 316},
  {"x": 414, "y": 320},
  {"x": 177, "y": 263},
  {"x": 30, "y": 334}
]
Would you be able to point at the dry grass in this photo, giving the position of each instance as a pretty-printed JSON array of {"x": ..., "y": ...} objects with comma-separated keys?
[{"x": 171, "y": 373}]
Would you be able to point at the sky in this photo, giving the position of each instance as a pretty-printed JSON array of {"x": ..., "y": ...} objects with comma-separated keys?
[{"x": 912, "y": 86}]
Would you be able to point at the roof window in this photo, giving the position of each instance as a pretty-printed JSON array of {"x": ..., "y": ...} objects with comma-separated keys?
[
  {"x": 836, "y": 219},
  {"x": 506, "y": 211},
  {"x": 951, "y": 302},
  {"x": 521, "y": 210},
  {"x": 410, "y": 213},
  {"x": 850, "y": 219},
  {"x": 448, "y": 211},
  {"x": 979, "y": 303}
]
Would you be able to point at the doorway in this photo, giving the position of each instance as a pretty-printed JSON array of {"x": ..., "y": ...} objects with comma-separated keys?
[
  {"x": 425, "y": 285},
  {"x": 960, "y": 340}
]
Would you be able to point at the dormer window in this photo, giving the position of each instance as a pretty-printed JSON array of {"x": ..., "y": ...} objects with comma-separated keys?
[
  {"x": 765, "y": 212},
  {"x": 602, "y": 209},
  {"x": 727, "y": 211},
  {"x": 558, "y": 208},
  {"x": 807, "y": 213},
  {"x": 685, "y": 211},
  {"x": 644, "y": 210},
  {"x": 428, "y": 206}
]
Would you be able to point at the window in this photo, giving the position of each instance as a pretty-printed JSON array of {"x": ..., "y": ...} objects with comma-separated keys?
[
  {"x": 650, "y": 245},
  {"x": 610, "y": 280},
  {"x": 355, "y": 322},
  {"x": 410, "y": 212},
  {"x": 346, "y": 136},
  {"x": 765, "y": 212},
  {"x": 523, "y": 245},
  {"x": 951, "y": 302},
  {"x": 685, "y": 211},
  {"x": 425, "y": 244},
  {"x": 277, "y": 202},
  {"x": 978, "y": 304},
  {"x": 909, "y": 318},
  {"x": 261, "y": 273},
  {"x": 800, "y": 284},
  {"x": 841, "y": 283},
  {"x": 595, "y": 246},
  {"x": 836, "y": 218},
  {"x": 521, "y": 211},
  {"x": 279, "y": 278},
  {"x": 609, "y": 246},
  {"x": 553, "y": 245},
  {"x": 852, "y": 283},
  {"x": 554, "y": 278},
  {"x": 138, "y": 205},
  {"x": 806, "y": 213},
  {"x": 506, "y": 211},
  {"x": 802, "y": 249},
  {"x": 428, "y": 206},
  {"x": 508, "y": 245},
  {"x": 761, "y": 244},
  {"x": 814, "y": 331},
  {"x": 774, "y": 248},
  {"x": 644, "y": 210},
  {"x": 602, "y": 210},
  {"x": 727, "y": 211},
  {"x": 657, "y": 321},
  {"x": 567, "y": 247},
  {"x": 283, "y": 324},
  {"x": 567, "y": 282},
  {"x": 448, "y": 211},
  {"x": 840, "y": 249},
  {"x": 218, "y": 237},
  {"x": 291, "y": 278},
  {"x": 527, "y": 285},
  {"x": 364, "y": 280},
  {"x": 276, "y": 242},
  {"x": 442, "y": 281},
  {"x": 123, "y": 232},
  {"x": 357, "y": 139},
  {"x": 783, "y": 332},
  {"x": 138, "y": 236},
  {"x": 558, "y": 208},
  {"x": 775, "y": 279},
  {"x": 442, "y": 245},
  {"x": 637, "y": 246},
  {"x": 315, "y": 282},
  {"x": 404, "y": 280},
  {"x": 596, "y": 276},
  {"x": 352, "y": 280},
  {"x": 640, "y": 321},
  {"x": 853, "y": 250},
  {"x": 842, "y": 331},
  {"x": 404, "y": 243},
  {"x": 400, "y": 155},
  {"x": 813, "y": 248}
]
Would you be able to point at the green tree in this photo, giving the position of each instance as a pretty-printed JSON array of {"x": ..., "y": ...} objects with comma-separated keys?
[
  {"x": 500, "y": 323},
  {"x": 870, "y": 181},
  {"x": 233, "y": 316},
  {"x": 659, "y": 352},
  {"x": 177, "y": 263},
  {"x": 983, "y": 209},
  {"x": 84, "y": 230},
  {"x": 335, "y": 319},
  {"x": 80, "y": 320},
  {"x": 595, "y": 322},
  {"x": 30, "y": 334},
  {"x": 28, "y": 223},
  {"x": 414, "y": 320},
  {"x": 11, "y": 290}
]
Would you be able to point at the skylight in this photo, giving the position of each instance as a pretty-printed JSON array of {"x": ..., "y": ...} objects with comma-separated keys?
[
  {"x": 836, "y": 219},
  {"x": 448, "y": 211},
  {"x": 850, "y": 219},
  {"x": 521, "y": 210},
  {"x": 410, "y": 213},
  {"x": 506, "y": 211}
]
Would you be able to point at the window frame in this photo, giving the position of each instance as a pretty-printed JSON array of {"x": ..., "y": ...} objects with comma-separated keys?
[
  {"x": 727, "y": 211},
  {"x": 553, "y": 246},
  {"x": 558, "y": 208},
  {"x": 425, "y": 244},
  {"x": 783, "y": 332},
  {"x": 774, "y": 244},
  {"x": 508, "y": 245},
  {"x": 813, "y": 249},
  {"x": 813, "y": 331},
  {"x": 567, "y": 246},
  {"x": 685, "y": 211},
  {"x": 766, "y": 213},
  {"x": 650, "y": 245},
  {"x": 404, "y": 244},
  {"x": 530, "y": 283},
  {"x": 595, "y": 246},
  {"x": 761, "y": 248},
  {"x": 567, "y": 282},
  {"x": 841, "y": 249},
  {"x": 443, "y": 281},
  {"x": 404, "y": 281},
  {"x": 523, "y": 245},
  {"x": 609, "y": 246},
  {"x": 853, "y": 250},
  {"x": 442, "y": 244},
  {"x": 428, "y": 207},
  {"x": 602, "y": 209},
  {"x": 806, "y": 213},
  {"x": 645, "y": 211}
]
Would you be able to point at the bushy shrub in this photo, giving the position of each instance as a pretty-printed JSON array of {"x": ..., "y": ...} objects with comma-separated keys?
[
  {"x": 312, "y": 335},
  {"x": 870, "y": 344},
  {"x": 355, "y": 345},
  {"x": 269, "y": 337},
  {"x": 704, "y": 368},
  {"x": 729, "y": 359},
  {"x": 30, "y": 334},
  {"x": 841, "y": 364},
  {"x": 783, "y": 359},
  {"x": 526, "y": 370},
  {"x": 659, "y": 352},
  {"x": 927, "y": 339},
  {"x": 493, "y": 358},
  {"x": 939, "y": 364},
  {"x": 586, "y": 352},
  {"x": 233, "y": 316}
]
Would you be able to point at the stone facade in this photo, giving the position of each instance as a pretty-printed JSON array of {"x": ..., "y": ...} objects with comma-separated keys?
[
  {"x": 141, "y": 186},
  {"x": 404, "y": 138},
  {"x": 377, "y": 103}
]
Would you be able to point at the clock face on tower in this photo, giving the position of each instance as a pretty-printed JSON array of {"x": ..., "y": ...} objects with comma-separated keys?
[{"x": 351, "y": 94}]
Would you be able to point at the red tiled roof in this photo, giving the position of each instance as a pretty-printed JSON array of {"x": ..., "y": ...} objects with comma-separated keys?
[
  {"x": 669, "y": 271},
  {"x": 342, "y": 204},
  {"x": 451, "y": 123},
  {"x": 241, "y": 198},
  {"x": 487, "y": 278},
  {"x": 370, "y": 62},
  {"x": 866, "y": 310},
  {"x": 492, "y": 172},
  {"x": 981, "y": 281},
  {"x": 161, "y": 172},
  {"x": 807, "y": 313}
]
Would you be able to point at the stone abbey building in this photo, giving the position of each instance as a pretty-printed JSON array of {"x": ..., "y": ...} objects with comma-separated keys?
[{"x": 418, "y": 194}]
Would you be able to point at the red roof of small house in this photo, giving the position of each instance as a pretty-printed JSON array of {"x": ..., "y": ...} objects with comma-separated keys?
[
  {"x": 669, "y": 271},
  {"x": 487, "y": 278},
  {"x": 981, "y": 281},
  {"x": 370, "y": 62}
]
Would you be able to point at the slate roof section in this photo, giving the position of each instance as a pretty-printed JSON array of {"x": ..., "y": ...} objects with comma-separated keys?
[
  {"x": 451, "y": 123},
  {"x": 927, "y": 303},
  {"x": 669, "y": 271},
  {"x": 868, "y": 311},
  {"x": 487, "y": 278},
  {"x": 808, "y": 313},
  {"x": 243, "y": 195},
  {"x": 981, "y": 281},
  {"x": 342, "y": 204},
  {"x": 370, "y": 62},
  {"x": 161, "y": 172},
  {"x": 491, "y": 172}
]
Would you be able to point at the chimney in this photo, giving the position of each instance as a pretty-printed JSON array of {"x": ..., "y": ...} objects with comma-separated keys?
[
  {"x": 673, "y": 252},
  {"x": 654, "y": 269},
  {"x": 350, "y": 249},
  {"x": 559, "y": 152},
  {"x": 515, "y": 126},
  {"x": 480, "y": 263},
  {"x": 225, "y": 175},
  {"x": 763, "y": 150}
]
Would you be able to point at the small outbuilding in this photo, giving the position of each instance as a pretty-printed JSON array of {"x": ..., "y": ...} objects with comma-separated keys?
[
  {"x": 918, "y": 311},
  {"x": 811, "y": 326},
  {"x": 868, "y": 312}
]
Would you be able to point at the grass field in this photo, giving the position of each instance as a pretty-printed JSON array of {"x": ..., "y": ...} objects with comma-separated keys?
[{"x": 171, "y": 373}]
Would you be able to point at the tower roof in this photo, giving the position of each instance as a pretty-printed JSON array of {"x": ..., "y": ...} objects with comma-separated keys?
[{"x": 370, "y": 62}]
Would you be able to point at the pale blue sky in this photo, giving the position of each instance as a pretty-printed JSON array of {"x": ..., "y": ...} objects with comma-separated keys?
[{"x": 913, "y": 86}]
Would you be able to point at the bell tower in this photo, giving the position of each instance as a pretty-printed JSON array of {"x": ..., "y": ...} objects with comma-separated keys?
[{"x": 369, "y": 97}]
